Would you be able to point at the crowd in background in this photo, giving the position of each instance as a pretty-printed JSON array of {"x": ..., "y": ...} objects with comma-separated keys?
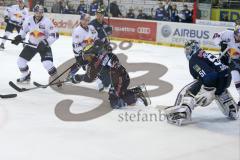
[{"x": 166, "y": 10}]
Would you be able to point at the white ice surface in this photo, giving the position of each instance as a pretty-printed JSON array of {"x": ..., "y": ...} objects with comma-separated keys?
[{"x": 29, "y": 129}]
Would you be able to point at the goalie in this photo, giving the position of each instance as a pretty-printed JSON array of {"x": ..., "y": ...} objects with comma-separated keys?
[{"x": 212, "y": 80}]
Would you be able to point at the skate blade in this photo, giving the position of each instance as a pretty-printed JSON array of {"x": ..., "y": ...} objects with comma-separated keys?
[{"x": 24, "y": 82}]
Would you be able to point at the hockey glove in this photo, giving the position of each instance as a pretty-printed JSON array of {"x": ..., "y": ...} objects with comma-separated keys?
[
  {"x": 17, "y": 40},
  {"x": 223, "y": 45},
  {"x": 42, "y": 46},
  {"x": 6, "y": 19},
  {"x": 76, "y": 79},
  {"x": 80, "y": 61}
]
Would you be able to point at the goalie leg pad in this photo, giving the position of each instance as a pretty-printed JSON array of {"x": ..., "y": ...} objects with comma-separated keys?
[
  {"x": 227, "y": 105},
  {"x": 205, "y": 96},
  {"x": 180, "y": 113}
]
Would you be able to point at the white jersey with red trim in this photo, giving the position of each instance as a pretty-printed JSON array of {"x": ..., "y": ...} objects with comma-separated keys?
[
  {"x": 16, "y": 15},
  {"x": 38, "y": 31},
  {"x": 82, "y": 37},
  {"x": 228, "y": 37}
]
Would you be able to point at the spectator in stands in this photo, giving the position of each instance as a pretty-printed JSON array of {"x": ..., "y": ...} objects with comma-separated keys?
[
  {"x": 160, "y": 14},
  {"x": 186, "y": 15},
  {"x": 237, "y": 21},
  {"x": 93, "y": 8},
  {"x": 130, "y": 14},
  {"x": 168, "y": 9},
  {"x": 57, "y": 7},
  {"x": 41, "y": 2},
  {"x": 82, "y": 8},
  {"x": 174, "y": 15},
  {"x": 114, "y": 9},
  {"x": 224, "y": 18},
  {"x": 68, "y": 8},
  {"x": 101, "y": 4},
  {"x": 141, "y": 15}
]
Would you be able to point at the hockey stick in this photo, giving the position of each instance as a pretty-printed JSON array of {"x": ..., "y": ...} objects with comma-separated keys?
[
  {"x": 8, "y": 96},
  {"x": 20, "y": 42},
  {"x": 45, "y": 86},
  {"x": 223, "y": 53},
  {"x": 36, "y": 84},
  {"x": 14, "y": 86}
]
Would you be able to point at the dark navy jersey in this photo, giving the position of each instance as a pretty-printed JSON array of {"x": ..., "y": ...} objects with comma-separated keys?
[
  {"x": 174, "y": 16},
  {"x": 93, "y": 9},
  {"x": 130, "y": 15},
  {"x": 99, "y": 28},
  {"x": 188, "y": 15},
  {"x": 82, "y": 8},
  {"x": 202, "y": 64},
  {"x": 160, "y": 14}
]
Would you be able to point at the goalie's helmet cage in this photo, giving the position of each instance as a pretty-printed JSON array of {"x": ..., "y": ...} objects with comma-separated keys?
[{"x": 191, "y": 47}]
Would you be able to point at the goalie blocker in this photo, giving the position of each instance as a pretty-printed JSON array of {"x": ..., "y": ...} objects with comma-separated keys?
[{"x": 212, "y": 80}]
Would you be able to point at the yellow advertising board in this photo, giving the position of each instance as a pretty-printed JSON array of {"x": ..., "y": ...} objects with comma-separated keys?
[{"x": 221, "y": 14}]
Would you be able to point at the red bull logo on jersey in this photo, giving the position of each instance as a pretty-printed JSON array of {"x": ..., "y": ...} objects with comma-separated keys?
[
  {"x": 233, "y": 52},
  {"x": 88, "y": 41},
  {"x": 37, "y": 34},
  {"x": 18, "y": 15}
]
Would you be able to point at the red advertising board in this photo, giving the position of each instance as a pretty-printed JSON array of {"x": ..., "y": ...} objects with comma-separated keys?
[{"x": 133, "y": 29}]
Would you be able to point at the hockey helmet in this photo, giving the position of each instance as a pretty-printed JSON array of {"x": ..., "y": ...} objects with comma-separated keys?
[
  {"x": 20, "y": 1},
  {"x": 85, "y": 16},
  {"x": 101, "y": 11},
  {"x": 38, "y": 8},
  {"x": 91, "y": 51},
  {"x": 190, "y": 48}
]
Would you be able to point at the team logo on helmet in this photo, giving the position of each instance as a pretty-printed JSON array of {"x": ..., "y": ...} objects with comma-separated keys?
[{"x": 38, "y": 8}]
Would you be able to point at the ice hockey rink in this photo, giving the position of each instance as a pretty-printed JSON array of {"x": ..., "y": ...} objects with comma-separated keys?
[{"x": 30, "y": 129}]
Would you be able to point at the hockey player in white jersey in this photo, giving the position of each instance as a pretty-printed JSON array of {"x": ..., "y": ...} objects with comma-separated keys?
[
  {"x": 82, "y": 36},
  {"x": 212, "y": 78},
  {"x": 229, "y": 41},
  {"x": 14, "y": 17},
  {"x": 42, "y": 34}
]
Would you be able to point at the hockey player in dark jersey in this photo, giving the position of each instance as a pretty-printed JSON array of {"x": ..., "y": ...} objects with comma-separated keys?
[
  {"x": 104, "y": 30},
  {"x": 119, "y": 94},
  {"x": 212, "y": 80},
  {"x": 97, "y": 57}
]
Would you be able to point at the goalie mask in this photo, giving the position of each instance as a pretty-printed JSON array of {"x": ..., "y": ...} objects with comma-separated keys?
[{"x": 190, "y": 48}]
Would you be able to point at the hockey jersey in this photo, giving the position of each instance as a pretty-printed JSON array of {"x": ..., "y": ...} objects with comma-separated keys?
[
  {"x": 38, "y": 31},
  {"x": 16, "y": 15},
  {"x": 82, "y": 37},
  {"x": 228, "y": 37},
  {"x": 201, "y": 64}
]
